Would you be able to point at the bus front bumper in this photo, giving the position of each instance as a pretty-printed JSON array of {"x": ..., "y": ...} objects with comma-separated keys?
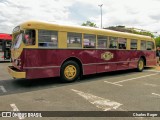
[{"x": 16, "y": 73}]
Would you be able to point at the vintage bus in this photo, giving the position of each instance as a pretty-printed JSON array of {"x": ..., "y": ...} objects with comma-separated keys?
[
  {"x": 42, "y": 50},
  {"x": 5, "y": 46}
]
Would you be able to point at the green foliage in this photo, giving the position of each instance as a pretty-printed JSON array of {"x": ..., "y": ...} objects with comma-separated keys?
[
  {"x": 143, "y": 33},
  {"x": 157, "y": 40},
  {"x": 89, "y": 23},
  {"x": 130, "y": 30}
]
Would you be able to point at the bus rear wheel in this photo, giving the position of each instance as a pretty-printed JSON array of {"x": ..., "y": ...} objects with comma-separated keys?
[
  {"x": 140, "y": 65},
  {"x": 70, "y": 71}
]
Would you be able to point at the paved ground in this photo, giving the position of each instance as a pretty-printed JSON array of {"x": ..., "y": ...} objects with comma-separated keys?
[
  {"x": 114, "y": 91},
  {"x": 3, "y": 71},
  {"x": 157, "y": 68}
]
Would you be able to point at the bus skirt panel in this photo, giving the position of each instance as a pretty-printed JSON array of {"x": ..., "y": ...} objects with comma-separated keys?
[{"x": 42, "y": 73}]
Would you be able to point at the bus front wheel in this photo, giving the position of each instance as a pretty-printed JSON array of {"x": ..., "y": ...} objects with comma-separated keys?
[
  {"x": 140, "y": 65},
  {"x": 70, "y": 71}
]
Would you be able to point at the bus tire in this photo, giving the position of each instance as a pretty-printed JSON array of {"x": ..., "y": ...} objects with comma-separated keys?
[
  {"x": 140, "y": 65},
  {"x": 70, "y": 71}
]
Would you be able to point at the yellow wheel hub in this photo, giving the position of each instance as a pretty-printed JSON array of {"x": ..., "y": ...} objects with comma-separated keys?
[
  {"x": 141, "y": 64},
  {"x": 70, "y": 72}
]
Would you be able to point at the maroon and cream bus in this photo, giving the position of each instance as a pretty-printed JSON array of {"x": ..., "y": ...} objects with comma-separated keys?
[{"x": 42, "y": 50}]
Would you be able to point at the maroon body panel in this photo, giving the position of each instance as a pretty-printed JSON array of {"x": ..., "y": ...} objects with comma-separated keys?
[{"x": 41, "y": 63}]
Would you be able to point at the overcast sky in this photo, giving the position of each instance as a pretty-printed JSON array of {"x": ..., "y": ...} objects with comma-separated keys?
[{"x": 143, "y": 14}]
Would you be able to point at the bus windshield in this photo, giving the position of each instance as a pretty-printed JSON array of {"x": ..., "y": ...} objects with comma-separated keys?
[{"x": 18, "y": 40}]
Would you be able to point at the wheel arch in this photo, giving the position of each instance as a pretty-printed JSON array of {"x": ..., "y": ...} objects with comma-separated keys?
[
  {"x": 144, "y": 58},
  {"x": 75, "y": 60}
]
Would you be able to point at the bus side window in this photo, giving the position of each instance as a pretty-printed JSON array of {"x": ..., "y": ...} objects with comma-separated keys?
[
  {"x": 47, "y": 38},
  {"x": 29, "y": 37},
  {"x": 74, "y": 40},
  {"x": 122, "y": 42},
  {"x": 89, "y": 41},
  {"x": 143, "y": 45},
  {"x": 133, "y": 44},
  {"x": 102, "y": 41},
  {"x": 150, "y": 45},
  {"x": 113, "y": 42}
]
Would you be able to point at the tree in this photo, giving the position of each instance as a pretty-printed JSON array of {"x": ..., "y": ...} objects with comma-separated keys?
[
  {"x": 89, "y": 23},
  {"x": 157, "y": 40},
  {"x": 130, "y": 30},
  {"x": 147, "y": 33}
]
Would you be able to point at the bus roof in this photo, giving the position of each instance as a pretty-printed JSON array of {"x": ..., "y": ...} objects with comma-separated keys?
[
  {"x": 80, "y": 29},
  {"x": 5, "y": 36}
]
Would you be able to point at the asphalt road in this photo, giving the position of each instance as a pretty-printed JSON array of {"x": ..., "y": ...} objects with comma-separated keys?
[{"x": 114, "y": 91}]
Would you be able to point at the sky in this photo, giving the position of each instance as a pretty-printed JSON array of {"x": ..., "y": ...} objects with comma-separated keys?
[{"x": 142, "y": 14}]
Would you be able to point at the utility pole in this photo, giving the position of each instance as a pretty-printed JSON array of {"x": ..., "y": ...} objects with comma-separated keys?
[{"x": 101, "y": 13}]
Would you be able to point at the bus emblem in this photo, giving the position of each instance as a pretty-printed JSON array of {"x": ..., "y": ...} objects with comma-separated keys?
[{"x": 107, "y": 55}]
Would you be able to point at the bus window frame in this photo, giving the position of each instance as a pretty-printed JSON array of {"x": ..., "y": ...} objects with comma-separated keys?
[
  {"x": 136, "y": 44},
  {"x": 152, "y": 44},
  {"x": 141, "y": 44},
  {"x": 110, "y": 42},
  {"x": 126, "y": 40},
  {"x": 107, "y": 42},
  {"x": 24, "y": 39},
  {"x": 50, "y": 35},
  {"x": 77, "y": 45},
  {"x": 95, "y": 40}
]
